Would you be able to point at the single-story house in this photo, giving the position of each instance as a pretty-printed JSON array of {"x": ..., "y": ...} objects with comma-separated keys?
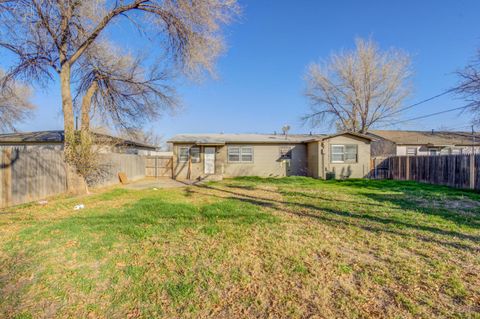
[
  {"x": 55, "y": 140},
  {"x": 214, "y": 156},
  {"x": 392, "y": 142}
]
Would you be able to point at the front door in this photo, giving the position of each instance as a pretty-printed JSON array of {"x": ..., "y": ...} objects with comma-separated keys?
[{"x": 209, "y": 160}]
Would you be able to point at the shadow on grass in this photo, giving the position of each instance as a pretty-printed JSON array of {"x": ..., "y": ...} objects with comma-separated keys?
[{"x": 390, "y": 225}]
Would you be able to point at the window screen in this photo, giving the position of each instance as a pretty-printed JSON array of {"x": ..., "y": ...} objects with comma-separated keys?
[
  {"x": 183, "y": 154},
  {"x": 344, "y": 153},
  {"x": 195, "y": 154},
  {"x": 240, "y": 154},
  {"x": 411, "y": 151}
]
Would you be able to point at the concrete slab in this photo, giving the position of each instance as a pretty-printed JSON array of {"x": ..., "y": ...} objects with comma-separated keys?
[{"x": 154, "y": 183}]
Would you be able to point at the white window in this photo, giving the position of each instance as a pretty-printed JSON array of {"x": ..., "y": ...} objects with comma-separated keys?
[
  {"x": 183, "y": 154},
  {"x": 240, "y": 154},
  {"x": 444, "y": 151},
  {"x": 432, "y": 151},
  {"x": 195, "y": 154},
  {"x": 246, "y": 154},
  {"x": 411, "y": 151},
  {"x": 456, "y": 151},
  {"x": 344, "y": 153}
]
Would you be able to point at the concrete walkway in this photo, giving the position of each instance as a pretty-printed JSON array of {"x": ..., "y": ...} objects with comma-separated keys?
[{"x": 154, "y": 183}]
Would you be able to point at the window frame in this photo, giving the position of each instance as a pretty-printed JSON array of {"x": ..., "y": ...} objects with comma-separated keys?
[
  {"x": 344, "y": 154},
  {"x": 459, "y": 149},
  {"x": 180, "y": 148},
  {"x": 195, "y": 159},
  {"x": 240, "y": 154},
  {"x": 410, "y": 148}
]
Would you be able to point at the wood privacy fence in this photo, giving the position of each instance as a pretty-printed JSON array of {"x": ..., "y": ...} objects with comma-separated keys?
[
  {"x": 32, "y": 174},
  {"x": 159, "y": 166},
  {"x": 460, "y": 171}
]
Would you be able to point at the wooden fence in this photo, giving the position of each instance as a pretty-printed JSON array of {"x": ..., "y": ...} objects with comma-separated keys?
[
  {"x": 460, "y": 171},
  {"x": 159, "y": 166},
  {"x": 32, "y": 174}
]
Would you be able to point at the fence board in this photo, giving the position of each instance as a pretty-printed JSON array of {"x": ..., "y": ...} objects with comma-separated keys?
[
  {"x": 159, "y": 166},
  {"x": 450, "y": 170},
  {"x": 29, "y": 174}
]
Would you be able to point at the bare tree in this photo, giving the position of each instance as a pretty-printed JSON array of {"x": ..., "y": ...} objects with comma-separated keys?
[
  {"x": 145, "y": 136},
  {"x": 52, "y": 36},
  {"x": 469, "y": 88},
  {"x": 358, "y": 89},
  {"x": 15, "y": 105}
]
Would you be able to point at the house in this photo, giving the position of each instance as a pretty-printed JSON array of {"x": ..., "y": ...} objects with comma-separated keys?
[
  {"x": 214, "y": 156},
  {"x": 55, "y": 139},
  {"x": 392, "y": 142}
]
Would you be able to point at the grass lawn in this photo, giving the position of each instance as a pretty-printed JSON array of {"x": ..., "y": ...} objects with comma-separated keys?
[{"x": 246, "y": 248}]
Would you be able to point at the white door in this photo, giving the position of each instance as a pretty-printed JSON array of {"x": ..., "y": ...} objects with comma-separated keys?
[{"x": 209, "y": 160}]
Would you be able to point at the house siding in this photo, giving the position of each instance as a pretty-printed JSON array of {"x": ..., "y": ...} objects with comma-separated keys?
[
  {"x": 267, "y": 163},
  {"x": 348, "y": 170},
  {"x": 313, "y": 159},
  {"x": 308, "y": 159}
]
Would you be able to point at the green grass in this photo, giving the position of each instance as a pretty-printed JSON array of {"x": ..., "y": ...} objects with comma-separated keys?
[{"x": 246, "y": 248}]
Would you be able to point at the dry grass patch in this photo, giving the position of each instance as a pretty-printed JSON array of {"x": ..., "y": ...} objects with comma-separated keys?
[{"x": 246, "y": 248}]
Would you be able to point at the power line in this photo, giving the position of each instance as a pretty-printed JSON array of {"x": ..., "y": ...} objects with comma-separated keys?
[
  {"x": 423, "y": 101},
  {"x": 433, "y": 114}
]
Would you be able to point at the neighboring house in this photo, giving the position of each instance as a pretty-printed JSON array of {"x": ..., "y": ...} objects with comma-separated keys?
[
  {"x": 412, "y": 143},
  {"x": 55, "y": 139},
  {"x": 199, "y": 156}
]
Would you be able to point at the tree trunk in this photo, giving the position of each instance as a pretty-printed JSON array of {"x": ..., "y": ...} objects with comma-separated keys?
[
  {"x": 86, "y": 106},
  {"x": 72, "y": 177},
  {"x": 86, "y": 140}
]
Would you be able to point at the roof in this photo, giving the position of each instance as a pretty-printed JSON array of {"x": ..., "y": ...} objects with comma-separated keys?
[
  {"x": 58, "y": 136},
  {"x": 222, "y": 139},
  {"x": 437, "y": 138}
]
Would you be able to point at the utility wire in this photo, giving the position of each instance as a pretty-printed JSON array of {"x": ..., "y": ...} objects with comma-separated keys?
[
  {"x": 433, "y": 114},
  {"x": 423, "y": 101}
]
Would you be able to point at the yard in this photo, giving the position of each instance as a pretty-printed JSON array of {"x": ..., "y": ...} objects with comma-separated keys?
[{"x": 246, "y": 248}]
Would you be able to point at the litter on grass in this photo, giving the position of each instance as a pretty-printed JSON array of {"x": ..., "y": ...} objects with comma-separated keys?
[{"x": 78, "y": 207}]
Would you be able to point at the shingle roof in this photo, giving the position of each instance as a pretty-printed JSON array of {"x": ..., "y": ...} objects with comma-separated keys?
[
  {"x": 426, "y": 137},
  {"x": 220, "y": 139},
  {"x": 241, "y": 138},
  {"x": 56, "y": 137},
  {"x": 33, "y": 137}
]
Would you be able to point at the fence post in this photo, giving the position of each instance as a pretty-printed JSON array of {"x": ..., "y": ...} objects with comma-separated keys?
[
  {"x": 6, "y": 166},
  {"x": 407, "y": 168},
  {"x": 472, "y": 171}
]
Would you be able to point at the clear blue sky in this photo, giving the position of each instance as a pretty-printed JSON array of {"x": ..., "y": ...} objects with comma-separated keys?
[{"x": 260, "y": 82}]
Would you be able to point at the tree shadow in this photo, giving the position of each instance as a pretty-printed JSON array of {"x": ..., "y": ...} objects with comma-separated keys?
[{"x": 380, "y": 224}]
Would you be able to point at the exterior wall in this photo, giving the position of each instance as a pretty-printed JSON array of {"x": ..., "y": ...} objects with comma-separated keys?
[
  {"x": 313, "y": 161},
  {"x": 267, "y": 162},
  {"x": 423, "y": 150},
  {"x": 180, "y": 169},
  {"x": 348, "y": 170}
]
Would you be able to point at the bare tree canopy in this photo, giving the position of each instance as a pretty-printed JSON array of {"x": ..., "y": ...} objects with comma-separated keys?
[
  {"x": 49, "y": 37},
  {"x": 15, "y": 105},
  {"x": 117, "y": 90},
  {"x": 145, "y": 136},
  {"x": 469, "y": 87},
  {"x": 358, "y": 89}
]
